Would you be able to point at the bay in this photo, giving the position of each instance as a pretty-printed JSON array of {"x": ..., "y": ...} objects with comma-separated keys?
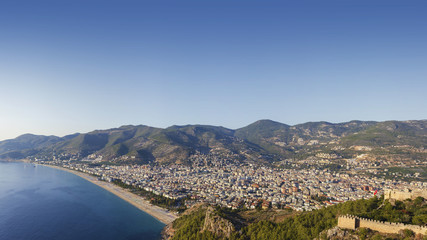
[{"x": 38, "y": 202}]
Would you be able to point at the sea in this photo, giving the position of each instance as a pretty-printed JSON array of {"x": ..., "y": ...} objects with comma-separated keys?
[{"x": 42, "y": 203}]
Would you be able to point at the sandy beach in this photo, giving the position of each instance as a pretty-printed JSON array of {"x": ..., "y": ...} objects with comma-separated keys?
[{"x": 159, "y": 213}]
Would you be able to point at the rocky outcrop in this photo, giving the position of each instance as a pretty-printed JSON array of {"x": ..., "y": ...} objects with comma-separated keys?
[
  {"x": 217, "y": 225},
  {"x": 168, "y": 232},
  {"x": 338, "y": 233}
]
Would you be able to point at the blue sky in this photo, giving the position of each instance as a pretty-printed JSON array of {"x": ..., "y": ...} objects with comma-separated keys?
[{"x": 75, "y": 66}]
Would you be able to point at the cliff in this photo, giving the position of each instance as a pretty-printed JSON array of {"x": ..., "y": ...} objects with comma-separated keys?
[
  {"x": 200, "y": 222},
  {"x": 219, "y": 226}
]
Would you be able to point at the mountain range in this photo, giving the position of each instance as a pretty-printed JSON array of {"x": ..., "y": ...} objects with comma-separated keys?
[{"x": 263, "y": 140}]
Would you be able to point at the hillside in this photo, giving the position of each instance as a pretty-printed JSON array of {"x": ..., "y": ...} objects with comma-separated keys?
[
  {"x": 263, "y": 141},
  {"x": 287, "y": 140},
  {"x": 318, "y": 224},
  {"x": 390, "y": 133},
  {"x": 27, "y": 145}
]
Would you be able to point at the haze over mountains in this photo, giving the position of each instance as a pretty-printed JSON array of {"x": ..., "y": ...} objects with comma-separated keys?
[{"x": 262, "y": 141}]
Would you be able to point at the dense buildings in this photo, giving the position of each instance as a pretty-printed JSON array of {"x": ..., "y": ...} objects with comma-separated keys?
[{"x": 236, "y": 185}]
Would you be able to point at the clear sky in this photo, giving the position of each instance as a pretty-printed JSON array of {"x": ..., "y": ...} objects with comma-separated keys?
[{"x": 78, "y": 65}]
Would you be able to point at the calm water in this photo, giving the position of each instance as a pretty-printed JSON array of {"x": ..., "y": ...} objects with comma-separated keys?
[{"x": 43, "y": 203}]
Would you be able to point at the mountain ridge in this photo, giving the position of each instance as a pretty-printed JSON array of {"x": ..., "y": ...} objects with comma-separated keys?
[{"x": 264, "y": 140}]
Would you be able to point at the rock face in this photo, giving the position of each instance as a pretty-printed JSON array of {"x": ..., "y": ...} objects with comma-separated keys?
[
  {"x": 337, "y": 233},
  {"x": 217, "y": 225},
  {"x": 168, "y": 232}
]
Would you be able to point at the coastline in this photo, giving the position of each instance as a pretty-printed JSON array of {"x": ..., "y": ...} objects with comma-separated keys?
[{"x": 159, "y": 213}]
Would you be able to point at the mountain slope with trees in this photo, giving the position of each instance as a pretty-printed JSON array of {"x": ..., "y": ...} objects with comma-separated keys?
[{"x": 265, "y": 141}]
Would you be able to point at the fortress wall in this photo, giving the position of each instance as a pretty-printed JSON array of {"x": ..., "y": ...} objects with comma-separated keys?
[
  {"x": 399, "y": 195},
  {"x": 422, "y": 193},
  {"x": 384, "y": 227},
  {"x": 403, "y": 195}
]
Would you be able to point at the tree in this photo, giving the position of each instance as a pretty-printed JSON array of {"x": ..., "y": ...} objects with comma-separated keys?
[{"x": 363, "y": 233}]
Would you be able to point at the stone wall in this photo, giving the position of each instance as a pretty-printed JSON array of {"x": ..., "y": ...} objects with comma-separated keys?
[
  {"x": 352, "y": 222},
  {"x": 348, "y": 222},
  {"x": 403, "y": 195}
]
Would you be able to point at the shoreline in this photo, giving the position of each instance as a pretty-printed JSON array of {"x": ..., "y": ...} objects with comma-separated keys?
[{"x": 161, "y": 214}]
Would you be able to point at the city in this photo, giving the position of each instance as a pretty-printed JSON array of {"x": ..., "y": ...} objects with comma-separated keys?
[{"x": 214, "y": 179}]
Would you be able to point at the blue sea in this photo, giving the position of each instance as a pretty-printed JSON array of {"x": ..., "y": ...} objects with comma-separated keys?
[{"x": 42, "y": 203}]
